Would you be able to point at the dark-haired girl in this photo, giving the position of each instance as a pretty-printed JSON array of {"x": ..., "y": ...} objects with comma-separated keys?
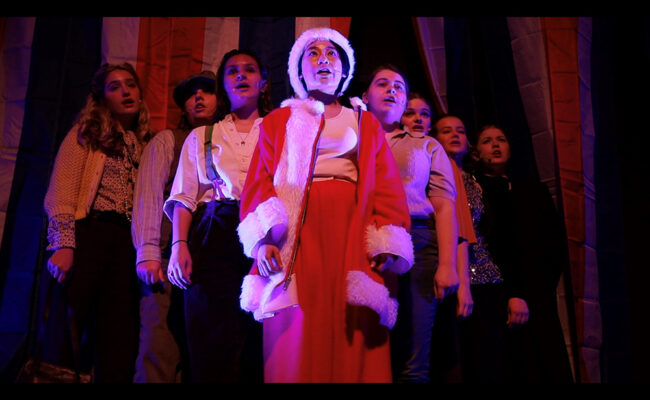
[{"x": 207, "y": 260}]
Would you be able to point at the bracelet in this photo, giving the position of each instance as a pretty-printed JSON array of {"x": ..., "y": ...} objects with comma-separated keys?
[{"x": 179, "y": 240}]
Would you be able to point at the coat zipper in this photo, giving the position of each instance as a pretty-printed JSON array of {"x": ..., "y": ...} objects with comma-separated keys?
[{"x": 304, "y": 204}]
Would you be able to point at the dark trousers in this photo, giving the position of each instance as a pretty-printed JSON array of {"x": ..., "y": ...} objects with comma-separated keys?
[
  {"x": 411, "y": 336},
  {"x": 102, "y": 293},
  {"x": 483, "y": 336},
  {"x": 224, "y": 342}
]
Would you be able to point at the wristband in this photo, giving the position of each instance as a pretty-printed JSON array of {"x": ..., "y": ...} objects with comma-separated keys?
[{"x": 179, "y": 240}]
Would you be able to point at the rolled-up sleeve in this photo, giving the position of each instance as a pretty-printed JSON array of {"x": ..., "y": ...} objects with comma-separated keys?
[
  {"x": 441, "y": 175},
  {"x": 186, "y": 186}
]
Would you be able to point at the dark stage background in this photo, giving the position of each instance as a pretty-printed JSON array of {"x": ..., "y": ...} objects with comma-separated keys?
[{"x": 571, "y": 92}]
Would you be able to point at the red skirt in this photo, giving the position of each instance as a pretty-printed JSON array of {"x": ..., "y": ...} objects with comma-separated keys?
[{"x": 325, "y": 339}]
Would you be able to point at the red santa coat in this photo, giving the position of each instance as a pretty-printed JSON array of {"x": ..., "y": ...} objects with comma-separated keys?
[{"x": 274, "y": 198}]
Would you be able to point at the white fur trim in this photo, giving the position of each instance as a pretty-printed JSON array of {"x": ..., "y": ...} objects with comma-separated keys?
[
  {"x": 290, "y": 181},
  {"x": 265, "y": 297},
  {"x": 276, "y": 298},
  {"x": 358, "y": 104},
  {"x": 310, "y": 36},
  {"x": 363, "y": 291},
  {"x": 313, "y": 107},
  {"x": 292, "y": 173},
  {"x": 394, "y": 240},
  {"x": 256, "y": 225},
  {"x": 251, "y": 292}
]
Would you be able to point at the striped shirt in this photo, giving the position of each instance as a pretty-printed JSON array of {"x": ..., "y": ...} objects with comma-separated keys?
[{"x": 148, "y": 197}]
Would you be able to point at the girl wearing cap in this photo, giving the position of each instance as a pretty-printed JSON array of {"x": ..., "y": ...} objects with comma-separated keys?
[
  {"x": 88, "y": 204},
  {"x": 162, "y": 327},
  {"x": 324, "y": 216},
  {"x": 431, "y": 193},
  {"x": 207, "y": 260}
]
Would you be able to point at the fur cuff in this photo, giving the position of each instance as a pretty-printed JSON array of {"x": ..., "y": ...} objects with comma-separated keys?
[
  {"x": 251, "y": 292},
  {"x": 265, "y": 297},
  {"x": 394, "y": 240},
  {"x": 358, "y": 104},
  {"x": 363, "y": 291},
  {"x": 257, "y": 224}
]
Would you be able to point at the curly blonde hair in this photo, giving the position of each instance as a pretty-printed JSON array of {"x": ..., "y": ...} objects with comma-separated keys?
[{"x": 97, "y": 127}]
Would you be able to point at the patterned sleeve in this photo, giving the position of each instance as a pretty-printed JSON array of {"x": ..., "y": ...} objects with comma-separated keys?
[
  {"x": 60, "y": 232},
  {"x": 63, "y": 191}
]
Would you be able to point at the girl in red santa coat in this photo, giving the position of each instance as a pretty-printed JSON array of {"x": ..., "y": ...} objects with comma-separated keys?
[{"x": 324, "y": 215}]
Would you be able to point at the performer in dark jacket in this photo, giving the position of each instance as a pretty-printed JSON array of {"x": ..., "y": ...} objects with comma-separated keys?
[{"x": 527, "y": 239}]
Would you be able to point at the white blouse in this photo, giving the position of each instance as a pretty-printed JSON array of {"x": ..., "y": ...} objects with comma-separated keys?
[
  {"x": 336, "y": 152},
  {"x": 231, "y": 155}
]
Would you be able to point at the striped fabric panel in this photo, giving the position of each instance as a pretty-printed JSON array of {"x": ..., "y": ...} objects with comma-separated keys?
[
  {"x": 304, "y": 23},
  {"x": 64, "y": 53},
  {"x": 497, "y": 96},
  {"x": 341, "y": 24},
  {"x": 221, "y": 36},
  {"x": 186, "y": 58},
  {"x": 120, "y": 40},
  {"x": 561, "y": 45},
  {"x": 165, "y": 50},
  {"x": 529, "y": 54},
  {"x": 15, "y": 57},
  {"x": 591, "y": 278},
  {"x": 271, "y": 39},
  {"x": 431, "y": 34},
  {"x": 154, "y": 53},
  {"x": 169, "y": 49}
]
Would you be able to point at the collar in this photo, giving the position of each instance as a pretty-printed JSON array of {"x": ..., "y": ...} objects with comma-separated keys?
[
  {"x": 415, "y": 135},
  {"x": 228, "y": 119},
  {"x": 404, "y": 134}
]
